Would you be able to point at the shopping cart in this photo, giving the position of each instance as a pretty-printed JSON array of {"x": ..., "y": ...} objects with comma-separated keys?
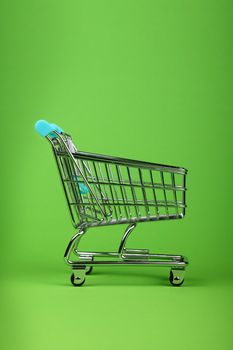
[{"x": 102, "y": 190}]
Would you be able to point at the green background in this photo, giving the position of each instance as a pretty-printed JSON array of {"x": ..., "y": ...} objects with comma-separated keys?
[{"x": 148, "y": 80}]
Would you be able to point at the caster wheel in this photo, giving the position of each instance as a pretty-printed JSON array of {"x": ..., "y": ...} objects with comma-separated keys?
[
  {"x": 89, "y": 270},
  {"x": 77, "y": 281},
  {"x": 176, "y": 277}
]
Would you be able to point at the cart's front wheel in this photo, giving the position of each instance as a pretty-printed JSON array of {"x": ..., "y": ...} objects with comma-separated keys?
[
  {"x": 76, "y": 280},
  {"x": 176, "y": 277}
]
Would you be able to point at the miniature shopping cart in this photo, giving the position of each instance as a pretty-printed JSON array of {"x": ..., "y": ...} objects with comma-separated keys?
[{"x": 102, "y": 190}]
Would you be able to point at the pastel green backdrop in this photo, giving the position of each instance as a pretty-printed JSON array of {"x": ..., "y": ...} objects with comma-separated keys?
[{"x": 148, "y": 80}]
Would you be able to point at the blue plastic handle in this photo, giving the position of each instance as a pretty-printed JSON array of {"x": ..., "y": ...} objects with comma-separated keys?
[
  {"x": 57, "y": 128},
  {"x": 45, "y": 128}
]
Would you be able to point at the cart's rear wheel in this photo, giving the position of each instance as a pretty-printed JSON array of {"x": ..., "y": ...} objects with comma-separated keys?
[
  {"x": 176, "y": 278},
  {"x": 77, "y": 281}
]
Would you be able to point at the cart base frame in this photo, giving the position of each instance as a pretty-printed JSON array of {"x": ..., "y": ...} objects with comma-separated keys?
[{"x": 124, "y": 256}]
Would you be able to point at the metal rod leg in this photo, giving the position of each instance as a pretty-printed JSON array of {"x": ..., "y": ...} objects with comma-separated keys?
[
  {"x": 129, "y": 229},
  {"x": 73, "y": 243}
]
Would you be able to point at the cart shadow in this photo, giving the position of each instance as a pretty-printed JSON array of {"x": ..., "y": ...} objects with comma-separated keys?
[
  {"x": 107, "y": 277},
  {"x": 139, "y": 278},
  {"x": 135, "y": 278},
  {"x": 126, "y": 277}
]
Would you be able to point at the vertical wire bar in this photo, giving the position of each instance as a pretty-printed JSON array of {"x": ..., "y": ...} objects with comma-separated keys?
[
  {"x": 94, "y": 187},
  {"x": 119, "y": 207},
  {"x": 75, "y": 196},
  {"x": 87, "y": 166},
  {"x": 104, "y": 189},
  {"x": 111, "y": 191},
  {"x": 164, "y": 192},
  {"x": 66, "y": 187},
  {"x": 89, "y": 196},
  {"x": 133, "y": 193},
  {"x": 99, "y": 187},
  {"x": 72, "y": 177},
  {"x": 144, "y": 194},
  {"x": 67, "y": 172},
  {"x": 63, "y": 168},
  {"x": 90, "y": 204},
  {"x": 184, "y": 193},
  {"x": 75, "y": 186},
  {"x": 92, "y": 178},
  {"x": 174, "y": 193},
  {"x": 122, "y": 192},
  {"x": 103, "y": 186},
  {"x": 154, "y": 193}
]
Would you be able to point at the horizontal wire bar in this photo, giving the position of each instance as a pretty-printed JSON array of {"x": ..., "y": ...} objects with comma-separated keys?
[
  {"x": 125, "y": 161},
  {"x": 159, "y": 204},
  {"x": 134, "y": 184},
  {"x": 134, "y": 219}
]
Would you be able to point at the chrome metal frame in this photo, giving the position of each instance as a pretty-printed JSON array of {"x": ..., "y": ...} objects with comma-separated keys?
[{"x": 118, "y": 191}]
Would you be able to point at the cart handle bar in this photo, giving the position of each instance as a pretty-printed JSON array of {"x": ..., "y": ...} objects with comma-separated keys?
[{"x": 45, "y": 128}]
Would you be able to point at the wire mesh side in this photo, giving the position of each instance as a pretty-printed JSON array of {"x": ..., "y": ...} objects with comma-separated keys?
[
  {"x": 119, "y": 190},
  {"x": 126, "y": 192}
]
